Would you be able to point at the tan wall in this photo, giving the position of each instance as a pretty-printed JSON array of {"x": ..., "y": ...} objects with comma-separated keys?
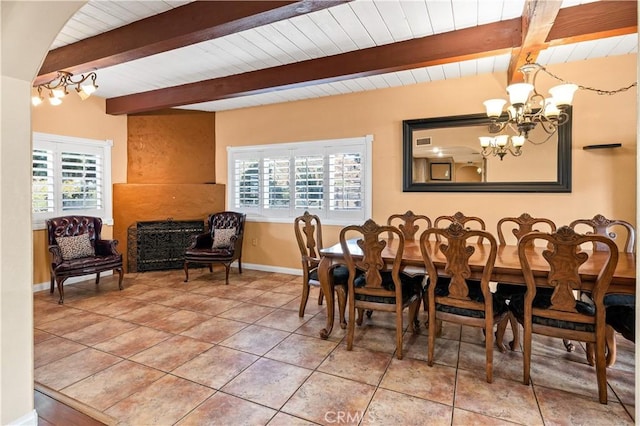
[
  {"x": 604, "y": 181},
  {"x": 83, "y": 119}
]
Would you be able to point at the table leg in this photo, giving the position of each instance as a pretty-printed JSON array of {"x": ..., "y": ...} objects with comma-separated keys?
[{"x": 326, "y": 285}]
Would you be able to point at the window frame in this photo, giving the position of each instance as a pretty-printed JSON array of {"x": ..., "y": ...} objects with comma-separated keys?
[
  {"x": 361, "y": 145},
  {"x": 58, "y": 144}
]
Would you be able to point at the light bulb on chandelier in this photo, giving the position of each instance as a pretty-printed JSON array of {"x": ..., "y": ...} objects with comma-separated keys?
[
  {"x": 530, "y": 110},
  {"x": 84, "y": 86}
]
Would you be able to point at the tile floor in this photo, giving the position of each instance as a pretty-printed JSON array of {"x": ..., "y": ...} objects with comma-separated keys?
[{"x": 164, "y": 352}]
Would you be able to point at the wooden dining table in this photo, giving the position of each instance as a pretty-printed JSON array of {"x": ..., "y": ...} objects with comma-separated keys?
[{"x": 507, "y": 267}]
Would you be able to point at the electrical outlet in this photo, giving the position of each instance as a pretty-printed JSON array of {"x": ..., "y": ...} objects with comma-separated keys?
[{"x": 254, "y": 242}]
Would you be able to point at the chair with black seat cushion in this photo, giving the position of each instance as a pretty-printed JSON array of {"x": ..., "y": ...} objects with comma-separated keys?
[
  {"x": 308, "y": 231},
  {"x": 454, "y": 297},
  {"x": 77, "y": 249},
  {"x": 621, "y": 308},
  {"x": 520, "y": 226},
  {"x": 374, "y": 284},
  {"x": 222, "y": 243},
  {"x": 561, "y": 314}
]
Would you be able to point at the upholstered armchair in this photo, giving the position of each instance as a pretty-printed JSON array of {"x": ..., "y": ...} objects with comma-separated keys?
[
  {"x": 221, "y": 244},
  {"x": 77, "y": 249}
]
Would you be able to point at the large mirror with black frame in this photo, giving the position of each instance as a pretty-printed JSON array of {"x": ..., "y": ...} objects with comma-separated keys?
[{"x": 444, "y": 154}]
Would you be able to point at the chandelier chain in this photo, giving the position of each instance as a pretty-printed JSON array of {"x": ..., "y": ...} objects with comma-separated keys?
[{"x": 593, "y": 89}]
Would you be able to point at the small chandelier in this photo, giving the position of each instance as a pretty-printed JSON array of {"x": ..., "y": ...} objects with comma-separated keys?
[
  {"x": 528, "y": 110},
  {"x": 84, "y": 86}
]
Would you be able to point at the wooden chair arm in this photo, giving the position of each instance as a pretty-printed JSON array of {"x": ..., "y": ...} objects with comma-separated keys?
[{"x": 106, "y": 247}]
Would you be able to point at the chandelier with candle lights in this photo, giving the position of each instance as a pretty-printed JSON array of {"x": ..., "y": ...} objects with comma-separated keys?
[{"x": 84, "y": 85}]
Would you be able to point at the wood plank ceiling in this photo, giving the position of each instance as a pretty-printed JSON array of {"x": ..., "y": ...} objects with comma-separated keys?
[{"x": 219, "y": 55}]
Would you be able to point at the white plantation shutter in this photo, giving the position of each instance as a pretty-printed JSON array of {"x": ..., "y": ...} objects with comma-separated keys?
[
  {"x": 70, "y": 176},
  {"x": 276, "y": 183}
]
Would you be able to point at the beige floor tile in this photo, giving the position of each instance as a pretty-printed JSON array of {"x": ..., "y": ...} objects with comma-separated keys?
[
  {"x": 216, "y": 305},
  {"x": 54, "y": 348},
  {"x": 247, "y": 312},
  {"x": 322, "y": 398},
  {"x": 120, "y": 307},
  {"x": 283, "y": 320},
  {"x": 134, "y": 341},
  {"x": 72, "y": 368},
  {"x": 215, "y": 367},
  {"x": 264, "y": 284},
  {"x": 183, "y": 300},
  {"x": 416, "y": 378},
  {"x": 147, "y": 314},
  {"x": 267, "y": 382},
  {"x": 515, "y": 401},
  {"x": 507, "y": 365},
  {"x": 113, "y": 384},
  {"x": 446, "y": 351},
  {"x": 303, "y": 351},
  {"x": 223, "y": 409},
  {"x": 214, "y": 330},
  {"x": 72, "y": 322},
  {"x": 101, "y": 331},
  {"x": 392, "y": 408},
  {"x": 164, "y": 402},
  {"x": 171, "y": 353},
  {"x": 40, "y": 336},
  {"x": 375, "y": 338},
  {"x": 283, "y": 419},
  {"x": 359, "y": 364},
  {"x": 179, "y": 321},
  {"x": 465, "y": 418},
  {"x": 271, "y": 299},
  {"x": 558, "y": 407},
  {"x": 255, "y": 339},
  {"x": 318, "y": 322}
]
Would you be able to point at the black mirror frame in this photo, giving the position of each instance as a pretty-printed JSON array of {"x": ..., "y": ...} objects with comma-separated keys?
[{"x": 563, "y": 184}]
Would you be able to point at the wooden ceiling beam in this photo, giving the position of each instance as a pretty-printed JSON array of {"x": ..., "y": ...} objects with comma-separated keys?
[
  {"x": 538, "y": 17},
  {"x": 466, "y": 44},
  {"x": 578, "y": 23},
  {"x": 182, "y": 26}
]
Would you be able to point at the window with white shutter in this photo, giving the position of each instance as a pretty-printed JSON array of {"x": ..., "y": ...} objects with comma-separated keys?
[
  {"x": 331, "y": 178},
  {"x": 70, "y": 176}
]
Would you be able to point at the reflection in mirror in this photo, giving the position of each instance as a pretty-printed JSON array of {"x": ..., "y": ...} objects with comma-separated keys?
[{"x": 444, "y": 154}]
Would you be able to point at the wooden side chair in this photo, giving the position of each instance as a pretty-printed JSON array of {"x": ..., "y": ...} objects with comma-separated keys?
[
  {"x": 454, "y": 298},
  {"x": 373, "y": 284},
  {"x": 409, "y": 224},
  {"x": 459, "y": 217},
  {"x": 560, "y": 314},
  {"x": 621, "y": 308},
  {"x": 519, "y": 226},
  {"x": 308, "y": 231}
]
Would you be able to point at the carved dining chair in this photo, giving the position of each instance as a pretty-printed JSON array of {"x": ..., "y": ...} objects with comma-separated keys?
[
  {"x": 459, "y": 217},
  {"x": 561, "y": 314},
  {"x": 374, "y": 284},
  {"x": 520, "y": 226},
  {"x": 222, "y": 243},
  {"x": 77, "y": 249},
  {"x": 409, "y": 224},
  {"x": 621, "y": 308},
  {"x": 453, "y": 298},
  {"x": 308, "y": 231}
]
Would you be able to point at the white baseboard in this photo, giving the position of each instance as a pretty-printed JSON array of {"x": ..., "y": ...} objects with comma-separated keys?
[
  {"x": 71, "y": 280},
  {"x": 252, "y": 266},
  {"x": 29, "y": 419}
]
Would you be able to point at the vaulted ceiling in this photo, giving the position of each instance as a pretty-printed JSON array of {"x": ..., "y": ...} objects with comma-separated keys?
[{"x": 219, "y": 55}]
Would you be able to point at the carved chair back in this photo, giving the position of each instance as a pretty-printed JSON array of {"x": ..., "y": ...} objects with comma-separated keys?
[
  {"x": 600, "y": 225},
  {"x": 525, "y": 224},
  {"x": 409, "y": 224},
  {"x": 71, "y": 226}
]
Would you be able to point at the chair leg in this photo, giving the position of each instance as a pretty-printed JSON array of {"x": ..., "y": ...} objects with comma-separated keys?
[
  {"x": 601, "y": 370},
  {"x": 502, "y": 325},
  {"x": 489, "y": 350},
  {"x": 121, "y": 273},
  {"x": 569, "y": 346},
  {"x": 239, "y": 265},
  {"x": 320, "y": 297},
  {"x": 186, "y": 271},
  {"x": 526, "y": 357},
  {"x": 432, "y": 337},
  {"x": 351, "y": 324},
  {"x": 227, "y": 267},
  {"x": 610, "y": 348},
  {"x": 98, "y": 278},
  {"x": 52, "y": 284},
  {"x": 304, "y": 298},
  {"x": 61, "y": 290},
  {"x": 341, "y": 291},
  {"x": 399, "y": 332}
]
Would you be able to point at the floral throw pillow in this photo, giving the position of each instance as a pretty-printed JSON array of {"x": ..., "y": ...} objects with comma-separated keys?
[
  {"x": 75, "y": 247},
  {"x": 223, "y": 238}
]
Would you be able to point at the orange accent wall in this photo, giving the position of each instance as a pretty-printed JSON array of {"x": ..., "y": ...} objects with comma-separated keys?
[
  {"x": 604, "y": 181},
  {"x": 174, "y": 146}
]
